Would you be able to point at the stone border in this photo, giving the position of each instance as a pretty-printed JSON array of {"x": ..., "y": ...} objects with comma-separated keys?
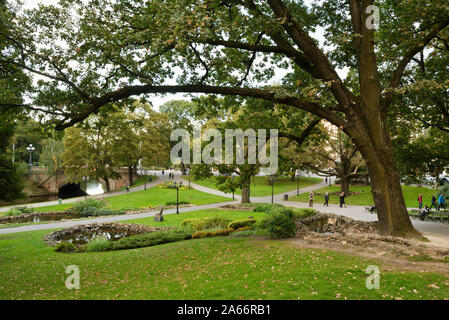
[{"x": 51, "y": 238}]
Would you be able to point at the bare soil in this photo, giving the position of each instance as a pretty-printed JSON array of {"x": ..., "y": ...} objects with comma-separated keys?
[{"x": 342, "y": 234}]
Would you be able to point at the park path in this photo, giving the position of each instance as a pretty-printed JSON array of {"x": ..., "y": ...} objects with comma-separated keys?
[{"x": 355, "y": 212}]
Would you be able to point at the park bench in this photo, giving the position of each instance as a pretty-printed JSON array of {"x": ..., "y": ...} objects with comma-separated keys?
[{"x": 434, "y": 216}]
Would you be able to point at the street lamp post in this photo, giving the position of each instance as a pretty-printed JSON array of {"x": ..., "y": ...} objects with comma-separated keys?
[
  {"x": 233, "y": 177},
  {"x": 85, "y": 179},
  {"x": 272, "y": 179},
  {"x": 297, "y": 188},
  {"x": 188, "y": 173},
  {"x": 177, "y": 196},
  {"x": 31, "y": 149}
]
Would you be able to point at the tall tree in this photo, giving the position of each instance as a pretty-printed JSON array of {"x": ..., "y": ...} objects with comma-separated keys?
[{"x": 221, "y": 47}]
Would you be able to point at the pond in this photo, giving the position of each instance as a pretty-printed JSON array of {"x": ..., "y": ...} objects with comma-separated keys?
[{"x": 83, "y": 234}]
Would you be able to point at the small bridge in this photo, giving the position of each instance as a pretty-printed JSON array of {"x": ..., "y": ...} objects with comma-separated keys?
[{"x": 52, "y": 183}]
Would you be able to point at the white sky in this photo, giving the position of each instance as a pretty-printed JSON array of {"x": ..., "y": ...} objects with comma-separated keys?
[{"x": 158, "y": 100}]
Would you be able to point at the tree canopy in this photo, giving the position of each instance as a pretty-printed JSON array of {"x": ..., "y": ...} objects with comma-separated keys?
[{"x": 123, "y": 48}]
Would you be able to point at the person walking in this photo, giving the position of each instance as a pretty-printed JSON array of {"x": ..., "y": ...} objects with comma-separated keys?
[
  {"x": 441, "y": 202},
  {"x": 163, "y": 172},
  {"x": 326, "y": 199},
  {"x": 434, "y": 202},
  {"x": 342, "y": 199},
  {"x": 420, "y": 201},
  {"x": 311, "y": 199}
]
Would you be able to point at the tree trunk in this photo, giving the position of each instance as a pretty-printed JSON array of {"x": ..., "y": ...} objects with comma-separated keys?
[
  {"x": 377, "y": 150},
  {"x": 344, "y": 184},
  {"x": 246, "y": 184},
  {"x": 108, "y": 184},
  {"x": 130, "y": 176}
]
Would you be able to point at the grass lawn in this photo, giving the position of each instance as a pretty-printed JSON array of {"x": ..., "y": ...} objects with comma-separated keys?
[
  {"x": 213, "y": 268},
  {"x": 366, "y": 198},
  {"x": 260, "y": 186},
  {"x": 151, "y": 197},
  {"x": 140, "y": 181}
]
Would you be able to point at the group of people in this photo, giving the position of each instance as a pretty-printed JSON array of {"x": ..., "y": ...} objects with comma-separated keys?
[
  {"x": 326, "y": 199},
  {"x": 171, "y": 174},
  {"x": 441, "y": 203}
]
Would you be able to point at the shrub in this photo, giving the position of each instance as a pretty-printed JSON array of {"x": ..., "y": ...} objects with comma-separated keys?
[
  {"x": 279, "y": 225},
  {"x": 25, "y": 209},
  {"x": 172, "y": 202},
  {"x": 99, "y": 244},
  {"x": 17, "y": 211},
  {"x": 13, "y": 212},
  {"x": 266, "y": 207},
  {"x": 236, "y": 224},
  {"x": 216, "y": 233},
  {"x": 304, "y": 213},
  {"x": 285, "y": 211},
  {"x": 205, "y": 223},
  {"x": 88, "y": 207},
  {"x": 65, "y": 246},
  {"x": 152, "y": 239},
  {"x": 108, "y": 212}
]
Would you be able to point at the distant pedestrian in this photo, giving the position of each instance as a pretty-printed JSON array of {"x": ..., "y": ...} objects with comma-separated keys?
[
  {"x": 326, "y": 199},
  {"x": 434, "y": 202},
  {"x": 342, "y": 199},
  {"x": 163, "y": 172},
  {"x": 441, "y": 202},
  {"x": 311, "y": 199},
  {"x": 420, "y": 201},
  {"x": 325, "y": 180}
]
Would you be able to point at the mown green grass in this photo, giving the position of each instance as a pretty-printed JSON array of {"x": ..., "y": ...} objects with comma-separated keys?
[
  {"x": 366, "y": 198},
  {"x": 140, "y": 181},
  {"x": 213, "y": 268},
  {"x": 151, "y": 197},
  {"x": 260, "y": 186}
]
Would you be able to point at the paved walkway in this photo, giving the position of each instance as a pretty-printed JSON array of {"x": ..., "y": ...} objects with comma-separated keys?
[{"x": 355, "y": 212}]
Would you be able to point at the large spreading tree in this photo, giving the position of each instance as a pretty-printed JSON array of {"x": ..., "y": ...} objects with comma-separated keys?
[{"x": 123, "y": 48}]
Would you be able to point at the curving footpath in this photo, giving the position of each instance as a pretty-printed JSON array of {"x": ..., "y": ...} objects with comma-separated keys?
[{"x": 355, "y": 212}]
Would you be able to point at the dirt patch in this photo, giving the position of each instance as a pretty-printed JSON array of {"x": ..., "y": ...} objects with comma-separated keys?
[{"x": 346, "y": 235}]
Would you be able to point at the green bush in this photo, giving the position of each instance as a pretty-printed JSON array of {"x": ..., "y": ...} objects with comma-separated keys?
[
  {"x": 285, "y": 211},
  {"x": 99, "y": 244},
  {"x": 88, "y": 207},
  {"x": 236, "y": 224},
  {"x": 279, "y": 226},
  {"x": 205, "y": 223},
  {"x": 65, "y": 246},
  {"x": 17, "y": 211},
  {"x": 304, "y": 213},
  {"x": 173, "y": 202},
  {"x": 13, "y": 212},
  {"x": 217, "y": 233},
  {"x": 266, "y": 207},
  {"x": 93, "y": 208},
  {"x": 152, "y": 239}
]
